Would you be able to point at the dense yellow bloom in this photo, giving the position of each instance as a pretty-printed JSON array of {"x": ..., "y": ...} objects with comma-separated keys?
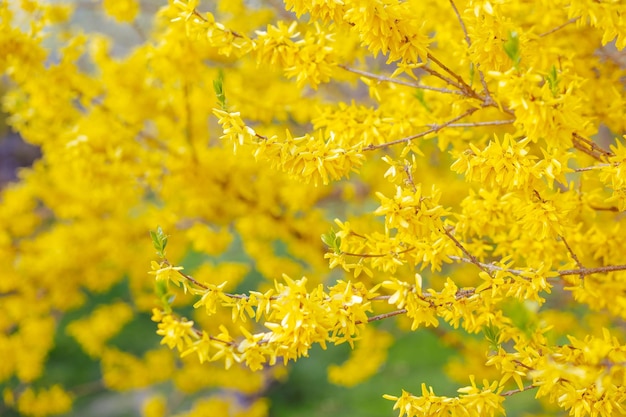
[
  {"x": 44, "y": 402},
  {"x": 462, "y": 162},
  {"x": 473, "y": 402},
  {"x": 121, "y": 10},
  {"x": 93, "y": 332}
]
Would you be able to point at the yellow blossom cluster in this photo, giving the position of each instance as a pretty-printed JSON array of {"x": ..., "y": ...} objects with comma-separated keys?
[
  {"x": 296, "y": 319},
  {"x": 462, "y": 162}
]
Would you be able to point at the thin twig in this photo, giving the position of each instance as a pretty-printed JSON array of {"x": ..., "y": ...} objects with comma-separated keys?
[
  {"x": 377, "y": 255},
  {"x": 200, "y": 333},
  {"x": 523, "y": 365},
  {"x": 581, "y": 148},
  {"x": 139, "y": 30},
  {"x": 466, "y": 252},
  {"x": 379, "y": 298},
  {"x": 400, "y": 82},
  {"x": 517, "y": 391},
  {"x": 442, "y": 77},
  {"x": 8, "y": 293},
  {"x": 569, "y": 22},
  {"x": 422, "y": 134},
  {"x": 461, "y": 22},
  {"x": 490, "y": 267},
  {"x": 204, "y": 19},
  {"x": 383, "y": 316},
  {"x": 477, "y": 124},
  {"x": 409, "y": 175},
  {"x": 561, "y": 272},
  {"x": 201, "y": 285},
  {"x": 612, "y": 208},
  {"x": 571, "y": 252},
  {"x": 590, "y": 148},
  {"x": 488, "y": 99},
  {"x": 590, "y": 271},
  {"x": 469, "y": 91},
  {"x": 591, "y": 168}
]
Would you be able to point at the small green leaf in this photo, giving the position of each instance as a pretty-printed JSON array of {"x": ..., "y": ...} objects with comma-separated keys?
[
  {"x": 328, "y": 239},
  {"x": 218, "y": 87},
  {"x": 333, "y": 241},
  {"x": 553, "y": 81},
  {"x": 492, "y": 334},
  {"x": 159, "y": 241},
  {"x": 512, "y": 49},
  {"x": 161, "y": 289}
]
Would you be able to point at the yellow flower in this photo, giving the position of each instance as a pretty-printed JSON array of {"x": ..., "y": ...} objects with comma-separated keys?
[{"x": 121, "y": 10}]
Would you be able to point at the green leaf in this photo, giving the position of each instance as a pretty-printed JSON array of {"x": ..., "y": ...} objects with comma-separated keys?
[
  {"x": 512, "y": 49},
  {"x": 161, "y": 288},
  {"x": 328, "y": 239},
  {"x": 333, "y": 241},
  {"x": 218, "y": 87},
  {"x": 553, "y": 81},
  {"x": 159, "y": 241},
  {"x": 492, "y": 334}
]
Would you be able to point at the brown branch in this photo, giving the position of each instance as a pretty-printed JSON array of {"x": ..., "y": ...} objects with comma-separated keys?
[
  {"x": 523, "y": 365},
  {"x": 377, "y": 255},
  {"x": 198, "y": 15},
  {"x": 469, "y": 91},
  {"x": 478, "y": 124},
  {"x": 199, "y": 333},
  {"x": 571, "y": 252},
  {"x": 379, "y": 298},
  {"x": 422, "y": 134},
  {"x": 443, "y": 78},
  {"x": 612, "y": 208},
  {"x": 591, "y": 168},
  {"x": 488, "y": 99},
  {"x": 189, "y": 278},
  {"x": 561, "y": 272},
  {"x": 465, "y": 293},
  {"x": 461, "y": 22},
  {"x": 490, "y": 267},
  {"x": 465, "y": 251},
  {"x": 383, "y": 316},
  {"x": 400, "y": 82},
  {"x": 569, "y": 22},
  {"x": 409, "y": 175},
  {"x": 139, "y": 30},
  {"x": 590, "y": 148},
  {"x": 581, "y": 148},
  {"x": 590, "y": 271},
  {"x": 201, "y": 285},
  {"x": 517, "y": 391}
]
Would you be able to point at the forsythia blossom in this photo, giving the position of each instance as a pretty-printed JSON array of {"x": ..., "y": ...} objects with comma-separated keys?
[{"x": 328, "y": 172}]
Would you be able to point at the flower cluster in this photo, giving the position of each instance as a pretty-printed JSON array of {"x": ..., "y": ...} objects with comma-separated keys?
[
  {"x": 462, "y": 161},
  {"x": 296, "y": 319}
]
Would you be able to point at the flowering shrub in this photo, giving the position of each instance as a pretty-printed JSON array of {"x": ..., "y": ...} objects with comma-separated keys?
[{"x": 461, "y": 162}]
